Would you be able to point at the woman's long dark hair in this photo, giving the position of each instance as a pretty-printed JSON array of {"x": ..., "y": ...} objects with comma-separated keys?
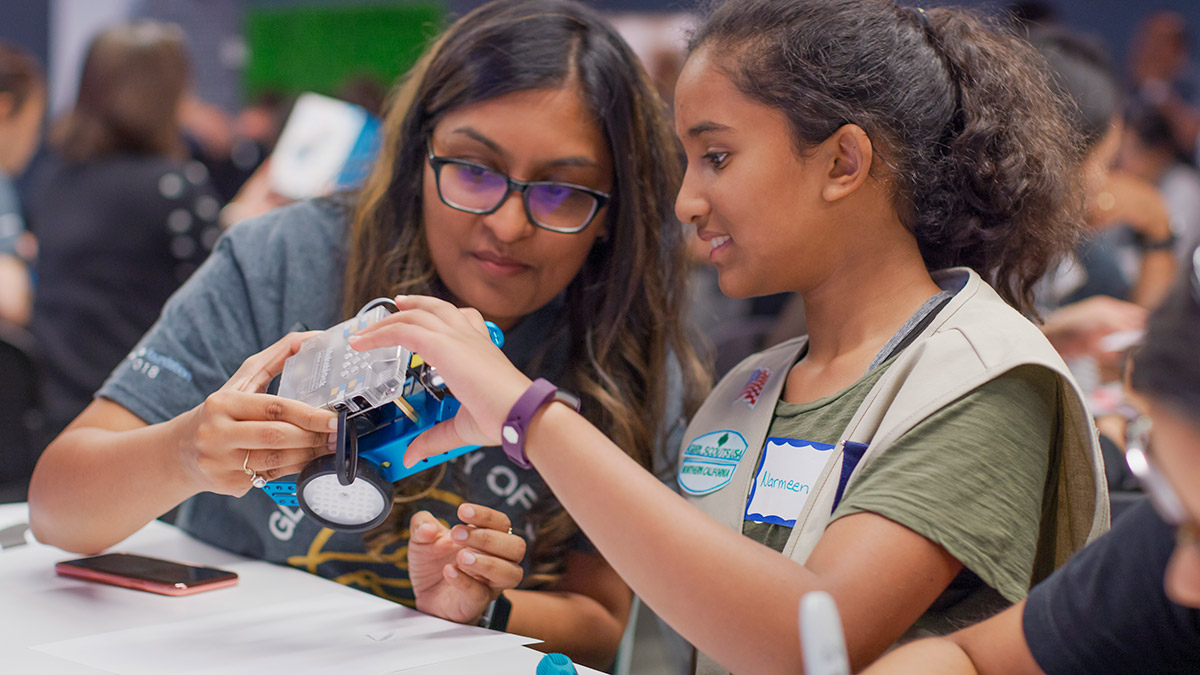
[
  {"x": 983, "y": 165},
  {"x": 625, "y": 307}
]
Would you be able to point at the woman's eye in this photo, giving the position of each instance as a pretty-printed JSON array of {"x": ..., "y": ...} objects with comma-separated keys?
[{"x": 716, "y": 159}]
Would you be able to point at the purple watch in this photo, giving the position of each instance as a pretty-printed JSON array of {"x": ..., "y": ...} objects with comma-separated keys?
[{"x": 512, "y": 434}]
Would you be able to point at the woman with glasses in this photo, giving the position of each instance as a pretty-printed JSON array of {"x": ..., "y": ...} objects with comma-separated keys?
[
  {"x": 923, "y": 455},
  {"x": 1130, "y": 603},
  {"x": 526, "y": 171}
]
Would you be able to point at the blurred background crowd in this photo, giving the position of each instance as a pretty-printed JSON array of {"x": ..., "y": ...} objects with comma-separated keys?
[{"x": 133, "y": 132}]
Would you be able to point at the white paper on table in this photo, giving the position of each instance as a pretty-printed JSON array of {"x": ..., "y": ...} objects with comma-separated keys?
[{"x": 326, "y": 633}]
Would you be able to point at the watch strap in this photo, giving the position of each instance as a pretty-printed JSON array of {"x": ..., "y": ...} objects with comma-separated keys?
[
  {"x": 496, "y": 615},
  {"x": 512, "y": 434}
]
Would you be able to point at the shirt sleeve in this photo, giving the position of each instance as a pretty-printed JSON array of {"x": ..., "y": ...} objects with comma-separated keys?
[
  {"x": 1106, "y": 610},
  {"x": 971, "y": 477},
  {"x": 204, "y": 333}
]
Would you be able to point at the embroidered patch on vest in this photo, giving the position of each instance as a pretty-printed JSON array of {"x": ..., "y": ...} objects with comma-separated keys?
[
  {"x": 751, "y": 392},
  {"x": 709, "y": 460}
]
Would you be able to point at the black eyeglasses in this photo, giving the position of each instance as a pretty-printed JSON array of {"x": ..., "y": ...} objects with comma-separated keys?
[{"x": 558, "y": 207}]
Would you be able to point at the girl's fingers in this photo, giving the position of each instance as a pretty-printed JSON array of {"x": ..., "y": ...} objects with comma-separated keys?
[
  {"x": 441, "y": 437},
  {"x": 406, "y": 331},
  {"x": 446, "y": 311},
  {"x": 452, "y": 317}
]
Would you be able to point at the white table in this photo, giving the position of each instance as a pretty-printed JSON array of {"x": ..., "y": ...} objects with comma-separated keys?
[{"x": 51, "y": 624}]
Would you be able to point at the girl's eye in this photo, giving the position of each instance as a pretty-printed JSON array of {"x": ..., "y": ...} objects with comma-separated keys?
[{"x": 716, "y": 159}]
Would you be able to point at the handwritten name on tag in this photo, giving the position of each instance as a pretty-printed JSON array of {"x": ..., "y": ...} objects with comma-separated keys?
[{"x": 786, "y": 478}]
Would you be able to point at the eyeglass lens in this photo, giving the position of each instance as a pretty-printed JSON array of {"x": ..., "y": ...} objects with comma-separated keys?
[{"x": 551, "y": 205}]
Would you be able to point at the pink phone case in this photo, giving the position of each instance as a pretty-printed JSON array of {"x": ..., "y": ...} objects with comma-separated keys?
[{"x": 68, "y": 569}]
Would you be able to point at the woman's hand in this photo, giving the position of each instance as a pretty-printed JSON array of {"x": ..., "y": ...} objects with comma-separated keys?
[
  {"x": 241, "y": 428},
  {"x": 479, "y": 375},
  {"x": 456, "y": 572}
]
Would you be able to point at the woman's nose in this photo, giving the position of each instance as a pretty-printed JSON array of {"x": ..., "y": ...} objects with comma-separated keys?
[{"x": 510, "y": 222}]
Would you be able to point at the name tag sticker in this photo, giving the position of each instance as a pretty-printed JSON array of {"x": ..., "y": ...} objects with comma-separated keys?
[
  {"x": 709, "y": 461},
  {"x": 786, "y": 476}
]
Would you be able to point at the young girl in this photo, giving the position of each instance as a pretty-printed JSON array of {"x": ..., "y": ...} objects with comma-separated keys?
[
  {"x": 923, "y": 454},
  {"x": 528, "y": 90}
]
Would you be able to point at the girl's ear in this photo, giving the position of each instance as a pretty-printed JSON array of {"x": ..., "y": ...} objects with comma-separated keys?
[{"x": 851, "y": 153}]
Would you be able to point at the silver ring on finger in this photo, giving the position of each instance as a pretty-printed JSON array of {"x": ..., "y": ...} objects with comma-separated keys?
[{"x": 255, "y": 479}]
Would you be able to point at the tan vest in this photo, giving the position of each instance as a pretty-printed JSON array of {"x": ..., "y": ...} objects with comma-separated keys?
[{"x": 975, "y": 338}]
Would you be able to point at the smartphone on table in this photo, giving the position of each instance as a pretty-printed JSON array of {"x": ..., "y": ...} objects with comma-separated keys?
[{"x": 146, "y": 573}]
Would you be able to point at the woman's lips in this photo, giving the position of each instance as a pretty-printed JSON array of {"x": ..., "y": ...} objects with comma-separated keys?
[{"x": 498, "y": 264}]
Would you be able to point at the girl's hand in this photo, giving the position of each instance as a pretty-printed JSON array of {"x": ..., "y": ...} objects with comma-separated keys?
[
  {"x": 455, "y": 341},
  {"x": 456, "y": 572},
  {"x": 240, "y": 427}
]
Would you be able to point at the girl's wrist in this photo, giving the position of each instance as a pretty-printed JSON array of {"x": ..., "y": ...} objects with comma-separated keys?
[
  {"x": 528, "y": 408},
  {"x": 548, "y": 414}
]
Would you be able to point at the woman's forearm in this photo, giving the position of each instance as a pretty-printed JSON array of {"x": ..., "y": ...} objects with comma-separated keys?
[{"x": 94, "y": 487}]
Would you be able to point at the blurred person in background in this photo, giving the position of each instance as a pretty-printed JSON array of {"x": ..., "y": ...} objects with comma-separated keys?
[
  {"x": 1164, "y": 77},
  {"x": 1129, "y": 252},
  {"x": 22, "y": 107},
  {"x": 122, "y": 218},
  {"x": 1095, "y": 302},
  {"x": 1149, "y": 152}
]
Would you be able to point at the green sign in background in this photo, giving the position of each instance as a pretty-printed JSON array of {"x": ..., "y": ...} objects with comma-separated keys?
[{"x": 321, "y": 48}]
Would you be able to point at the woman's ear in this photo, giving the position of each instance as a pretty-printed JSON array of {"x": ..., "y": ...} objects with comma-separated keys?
[{"x": 851, "y": 153}]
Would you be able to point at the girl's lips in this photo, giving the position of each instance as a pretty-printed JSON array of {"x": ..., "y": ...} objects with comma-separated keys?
[
  {"x": 718, "y": 244},
  {"x": 498, "y": 264}
]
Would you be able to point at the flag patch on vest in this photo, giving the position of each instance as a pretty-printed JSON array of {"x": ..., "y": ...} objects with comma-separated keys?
[
  {"x": 709, "y": 460},
  {"x": 754, "y": 387}
]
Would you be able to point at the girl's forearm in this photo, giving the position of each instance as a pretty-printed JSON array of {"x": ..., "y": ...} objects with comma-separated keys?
[
  {"x": 705, "y": 580},
  {"x": 936, "y": 656}
]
